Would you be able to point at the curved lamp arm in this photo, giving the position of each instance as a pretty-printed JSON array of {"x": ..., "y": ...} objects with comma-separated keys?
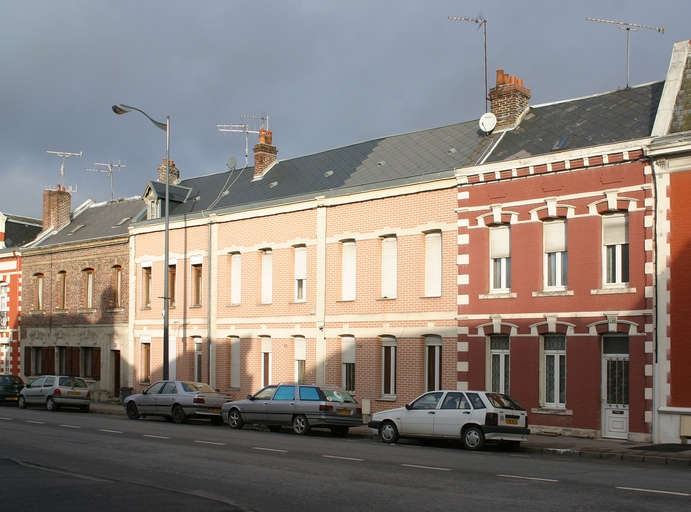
[{"x": 124, "y": 109}]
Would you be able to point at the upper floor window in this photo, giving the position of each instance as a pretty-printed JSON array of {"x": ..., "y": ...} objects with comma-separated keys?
[
  {"x": 154, "y": 209},
  {"x": 89, "y": 288},
  {"x": 146, "y": 285},
  {"x": 555, "y": 261},
  {"x": 38, "y": 287},
  {"x": 389, "y": 267},
  {"x": 235, "y": 278},
  {"x": 117, "y": 286},
  {"x": 348, "y": 270},
  {"x": 62, "y": 283},
  {"x": 433, "y": 270},
  {"x": 197, "y": 283},
  {"x": 615, "y": 248},
  {"x": 500, "y": 256},
  {"x": 267, "y": 276},
  {"x": 300, "y": 255},
  {"x": 172, "y": 274}
]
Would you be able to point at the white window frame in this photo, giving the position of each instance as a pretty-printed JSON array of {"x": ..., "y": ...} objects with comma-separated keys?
[
  {"x": 300, "y": 268},
  {"x": 389, "y": 267},
  {"x": 347, "y": 358},
  {"x": 300, "y": 355},
  {"x": 500, "y": 258},
  {"x": 499, "y": 362},
  {"x": 267, "y": 276},
  {"x": 433, "y": 356},
  {"x": 197, "y": 280},
  {"x": 144, "y": 365},
  {"x": 267, "y": 349},
  {"x": 236, "y": 279},
  {"x": 388, "y": 355},
  {"x": 147, "y": 284},
  {"x": 88, "y": 288},
  {"x": 433, "y": 264},
  {"x": 172, "y": 285},
  {"x": 198, "y": 364},
  {"x": 559, "y": 362},
  {"x": 555, "y": 256},
  {"x": 348, "y": 269},
  {"x": 616, "y": 269}
]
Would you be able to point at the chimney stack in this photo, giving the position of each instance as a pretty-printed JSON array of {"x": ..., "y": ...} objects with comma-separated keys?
[
  {"x": 264, "y": 153},
  {"x": 174, "y": 173},
  {"x": 510, "y": 99},
  {"x": 56, "y": 207}
]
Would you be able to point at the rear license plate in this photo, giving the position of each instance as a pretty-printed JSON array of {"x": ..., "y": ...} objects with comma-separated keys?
[
  {"x": 75, "y": 393},
  {"x": 214, "y": 410},
  {"x": 511, "y": 422},
  {"x": 10, "y": 398},
  {"x": 347, "y": 412}
]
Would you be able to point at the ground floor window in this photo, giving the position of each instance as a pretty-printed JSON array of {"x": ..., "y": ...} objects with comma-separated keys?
[
  {"x": 500, "y": 363},
  {"x": 554, "y": 350},
  {"x": 388, "y": 366},
  {"x": 432, "y": 363},
  {"x": 145, "y": 360},
  {"x": 266, "y": 360},
  {"x": 348, "y": 362}
]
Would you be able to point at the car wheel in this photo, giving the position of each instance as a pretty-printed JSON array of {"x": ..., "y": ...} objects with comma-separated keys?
[
  {"x": 21, "y": 402},
  {"x": 216, "y": 421},
  {"x": 300, "y": 425},
  {"x": 388, "y": 432},
  {"x": 51, "y": 405},
  {"x": 274, "y": 428},
  {"x": 85, "y": 408},
  {"x": 179, "y": 414},
  {"x": 235, "y": 419},
  {"x": 132, "y": 411},
  {"x": 339, "y": 431},
  {"x": 473, "y": 438}
]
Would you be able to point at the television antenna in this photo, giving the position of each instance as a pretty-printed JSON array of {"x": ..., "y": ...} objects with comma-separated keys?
[
  {"x": 64, "y": 155},
  {"x": 244, "y": 127},
  {"x": 480, "y": 21},
  {"x": 629, "y": 27},
  {"x": 110, "y": 169}
]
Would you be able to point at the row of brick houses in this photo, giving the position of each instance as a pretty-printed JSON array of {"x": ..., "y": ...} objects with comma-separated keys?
[{"x": 544, "y": 257}]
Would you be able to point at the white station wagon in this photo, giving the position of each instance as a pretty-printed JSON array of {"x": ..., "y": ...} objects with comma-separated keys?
[{"x": 472, "y": 416}]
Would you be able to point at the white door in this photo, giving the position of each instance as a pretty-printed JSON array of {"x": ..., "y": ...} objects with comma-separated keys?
[
  {"x": 419, "y": 419},
  {"x": 615, "y": 387}
]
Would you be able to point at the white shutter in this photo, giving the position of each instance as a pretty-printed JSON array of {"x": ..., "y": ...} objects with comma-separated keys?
[
  {"x": 555, "y": 235},
  {"x": 499, "y": 242},
  {"x": 433, "y": 265},
  {"x": 300, "y": 348},
  {"x": 235, "y": 278},
  {"x": 266, "y": 344},
  {"x": 301, "y": 262},
  {"x": 615, "y": 229},
  {"x": 348, "y": 261},
  {"x": 348, "y": 349},
  {"x": 267, "y": 277},
  {"x": 389, "y": 269},
  {"x": 197, "y": 259}
]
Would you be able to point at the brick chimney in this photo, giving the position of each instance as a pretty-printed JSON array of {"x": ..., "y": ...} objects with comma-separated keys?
[
  {"x": 510, "y": 99},
  {"x": 56, "y": 207},
  {"x": 264, "y": 152},
  {"x": 174, "y": 173}
]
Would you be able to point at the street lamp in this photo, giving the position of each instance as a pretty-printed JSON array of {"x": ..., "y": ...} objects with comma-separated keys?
[{"x": 124, "y": 109}]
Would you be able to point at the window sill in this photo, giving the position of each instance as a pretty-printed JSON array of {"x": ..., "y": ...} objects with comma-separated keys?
[
  {"x": 89, "y": 311},
  {"x": 553, "y": 293},
  {"x": 430, "y": 297},
  {"x": 264, "y": 304},
  {"x": 552, "y": 410},
  {"x": 386, "y": 398},
  {"x": 145, "y": 308},
  {"x": 60, "y": 312},
  {"x": 346, "y": 300},
  {"x": 612, "y": 291},
  {"x": 386, "y": 298},
  {"x": 196, "y": 306},
  {"x": 115, "y": 310},
  {"x": 298, "y": 302},
  {"x": 232, "y": 305},
  {"x": 497, "y": 295},
  {"x": 37, "y": 312}
]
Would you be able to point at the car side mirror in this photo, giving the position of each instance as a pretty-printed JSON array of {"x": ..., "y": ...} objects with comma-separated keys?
[
  {"x": 143, "y": 392},
  {"x": 408, "y": 406},
  {"x": 28, "y": 385},
  {"x": 249, "y": 397}
]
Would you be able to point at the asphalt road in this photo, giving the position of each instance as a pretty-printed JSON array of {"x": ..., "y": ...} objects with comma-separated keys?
[{"x": 72, "y": 461}]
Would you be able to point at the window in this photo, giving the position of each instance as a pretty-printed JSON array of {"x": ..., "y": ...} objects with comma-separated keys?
[
  {"x": 348, "y": 270},
  {"x": 235, "y": 278},
  {"x": 433, "y": 269},
  {"x": 145, "y": 360},
  {"x": 91, "y": 363},
  {"x": 388, "y": 367},
  {"x": 300, "y": 254},
  {"x": 554, "y": 348},
  {"x": 197, "y": 284},
  {"x": 555, "y": 259},
  {"x": 117, "y": 287},
  {"x": 267, "y": 276},
  {"x": 348, "y": 361},
  {"x": 68, "y": 361},
  {"x": 500, "y": 255},
  {"x": 500, "y": 371},
  {"x": 197, "y": 358},
  {"x": 62, "y": 285},
  {"x": 146, "y": 286},
  {"x": 266, "y": 360},
  {"x": 38, "y": 286},
  {"x": 154, "y": 210},
  {"x": 432, "y": 363},
  {"x": 300, "y": 357},
  {"x": 89, "y": 288},
  {"x": 615, "y": 242},
  {"x": 615, "y": 351},
  {"x": 4, "y": 321},
  {"x": 389, "y": 267},
  {"x": 172, "y": 273}
]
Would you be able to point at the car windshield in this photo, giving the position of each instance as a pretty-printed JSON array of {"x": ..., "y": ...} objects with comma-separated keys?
[
  {"x": 197, "y": 386},
  {"x": 338, "y": 395},
  {"x": 503, "y": 401}
]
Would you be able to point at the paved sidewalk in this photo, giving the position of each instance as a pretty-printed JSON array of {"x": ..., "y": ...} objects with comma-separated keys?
[{"x": 673, "y": 454}]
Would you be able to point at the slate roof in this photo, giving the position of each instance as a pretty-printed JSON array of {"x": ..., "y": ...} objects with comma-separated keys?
[
  {"x": 681, "y": 120},
  {"x": 20, "y": 230},
  {"x": 97, "y": 221},
  {"x": 425, "y": 155}
]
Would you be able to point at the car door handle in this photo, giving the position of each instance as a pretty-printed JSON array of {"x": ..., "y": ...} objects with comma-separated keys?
[
  {"x": 466, "y": 412},
  {"x": 430, "y": 412}
]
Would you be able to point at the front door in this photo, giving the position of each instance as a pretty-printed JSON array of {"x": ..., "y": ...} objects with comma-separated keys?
[{"x": 615, "y": 387}]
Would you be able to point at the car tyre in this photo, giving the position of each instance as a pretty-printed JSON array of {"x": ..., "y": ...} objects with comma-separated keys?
[
  {"x": 339, "y": 431},
  {"x": 388, "y": 433},
  {"x": 85, "y": 408},
  {"x": 132, "y": 411},
  {"x": 179, "y": 414},
  {"x": 51, "y": 405},
  {"x": 235, "y": 419},
  {"x": 21, "y": 402},
  {"x": 473, "y": 438},
  {"x": 216, "y": 421},
  {"x": 301, "y": 426}
]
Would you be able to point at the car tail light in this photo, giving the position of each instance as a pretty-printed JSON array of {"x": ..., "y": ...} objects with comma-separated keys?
[
  {"x": 88, "y": 394},
  {"x": 198, "y": 400},
  {"x": 358, "y": 410},
  {"x": 57, "y": 391},
  {"x": 491, "y": 419},
  {"x": 526, "y": 421},
  {"x": 326, "y": 408}
]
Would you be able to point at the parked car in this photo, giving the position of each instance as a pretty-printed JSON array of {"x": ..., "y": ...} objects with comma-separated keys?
[
  {"x": 56, "y": 391},
  {"x": 471, "y": 416},
  {"x": 10, "y": 386},
  {"x": 300, "y": 406},
  {"x": 176, "y": 401}
]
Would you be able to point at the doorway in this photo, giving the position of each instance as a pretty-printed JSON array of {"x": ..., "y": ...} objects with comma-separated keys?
[{"x": 615, "y": 387}]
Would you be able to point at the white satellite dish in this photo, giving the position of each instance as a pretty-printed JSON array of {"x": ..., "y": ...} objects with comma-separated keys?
[
  {"x": 488, "y": 122},
  {"x": 232, "y": 162}
]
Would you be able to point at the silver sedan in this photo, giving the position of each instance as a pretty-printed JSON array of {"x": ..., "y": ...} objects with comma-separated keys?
[{"x": 176, "y": 401}]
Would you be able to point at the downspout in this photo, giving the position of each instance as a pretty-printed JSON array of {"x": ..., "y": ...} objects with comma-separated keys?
[{"x": 208, "y": 304}]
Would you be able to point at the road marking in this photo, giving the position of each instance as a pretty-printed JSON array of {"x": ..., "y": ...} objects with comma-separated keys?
[
  {"x": 36, "y": 422},
  {"x": 654, "y": 491},
  {"x": 269, "y": 449},
  {"x": 528, "y": 478},
  {"x": 520, "y": 456},
  {"x": 156, "y": 437},
  {"x": 342, "y": 458},
  {"x": 111, "y": 431},
  {"x": 425, "y": 467},
  {"x": 70, "y": 426},
  {"x": 210, "y": 442},
  {"x": 8, "y": 419}
]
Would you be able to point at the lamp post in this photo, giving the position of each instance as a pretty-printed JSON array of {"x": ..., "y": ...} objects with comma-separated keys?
[{"x": 124, "y": 109}]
